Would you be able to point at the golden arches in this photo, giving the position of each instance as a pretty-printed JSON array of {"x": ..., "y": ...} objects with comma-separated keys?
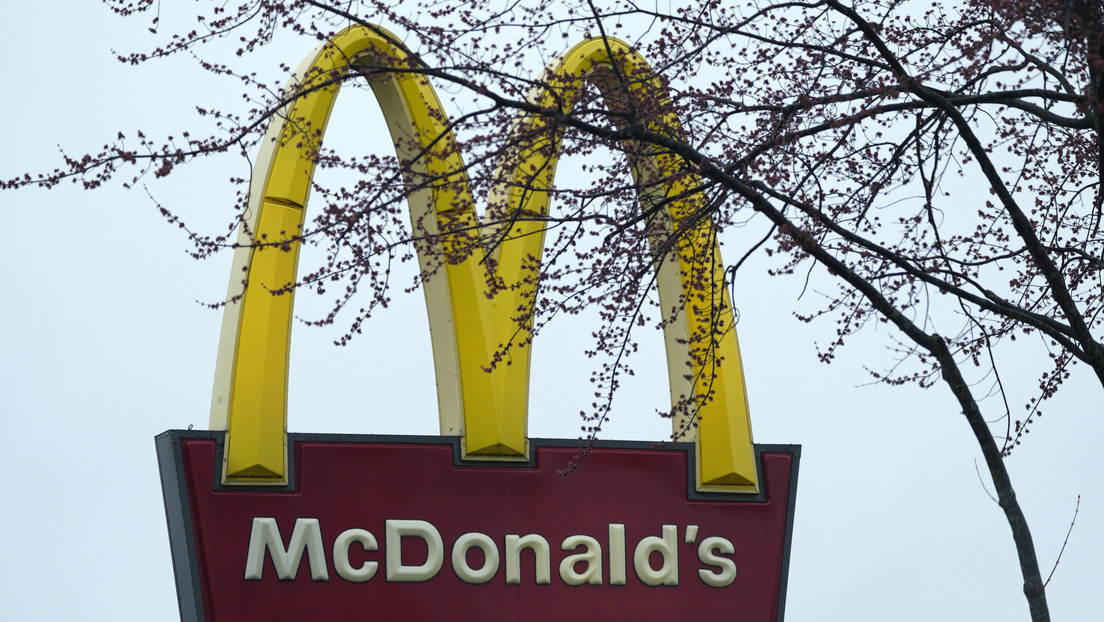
[{"x": 488, "y": 410}]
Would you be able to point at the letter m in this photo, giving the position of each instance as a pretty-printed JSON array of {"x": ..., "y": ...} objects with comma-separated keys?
[{"x": 265, "y": 536}]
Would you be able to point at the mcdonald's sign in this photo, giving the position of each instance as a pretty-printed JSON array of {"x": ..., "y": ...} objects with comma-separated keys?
[{"x": 475, "y": 523}]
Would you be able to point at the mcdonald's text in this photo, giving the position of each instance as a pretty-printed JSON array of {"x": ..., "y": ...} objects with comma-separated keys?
[{"x": 584, "y": 563}]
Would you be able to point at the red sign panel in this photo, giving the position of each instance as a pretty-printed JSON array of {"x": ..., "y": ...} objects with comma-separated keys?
[{"x": 385, "y": 528}]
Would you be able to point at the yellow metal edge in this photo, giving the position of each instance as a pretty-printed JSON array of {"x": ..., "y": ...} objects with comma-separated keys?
[
  {"x": 222, "y": 416},
  {"x": 258, "y": 414},
  {"x": 436, "y": 288},
  {"x": 727, "y": 453},
  {"x": 700, "y": 486},
  {"x": 235, "y": 321},
  {"x": 495, "y": 453}
]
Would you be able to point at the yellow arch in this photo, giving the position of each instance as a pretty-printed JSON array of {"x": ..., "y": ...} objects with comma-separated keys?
[
  {"x": 690, "y": 275},
  {"x": 468, "y": 327}
]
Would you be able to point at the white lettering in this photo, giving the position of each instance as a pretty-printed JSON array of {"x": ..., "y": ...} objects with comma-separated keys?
[
  {"x": 691, "y": 534},
  {"x": 667, "y": 547},
  {"x": 394, "y": 532},
  {"x": 592, "y": 557},
  {"x": 726, "y": 574},
  {"x": 617, "y": 554},
  {"x": 265, "y": 536},
  {"x": 541, "y": 558},
  {"x": 460, "y": 565},
  {"x": 582, "y": 564},
  {"x": 341, "y": 563}
]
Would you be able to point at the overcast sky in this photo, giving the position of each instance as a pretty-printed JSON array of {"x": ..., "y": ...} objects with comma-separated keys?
[{"x": 103, "y": 345}]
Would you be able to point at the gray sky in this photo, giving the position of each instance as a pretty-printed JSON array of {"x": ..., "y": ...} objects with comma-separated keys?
[{"x": 104, "y": 346}]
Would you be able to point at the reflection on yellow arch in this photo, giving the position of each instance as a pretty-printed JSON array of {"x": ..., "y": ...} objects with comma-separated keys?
[{"x": 488, "y": 410}]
